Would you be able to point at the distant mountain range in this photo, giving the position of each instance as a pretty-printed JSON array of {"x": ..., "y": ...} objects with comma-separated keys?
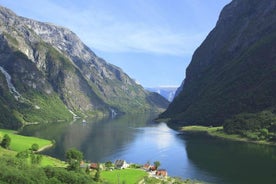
[
  {"x": 233, "y": 72},
  {"x": 47, "y": 75},
  {"x": 167, "y": 92}
]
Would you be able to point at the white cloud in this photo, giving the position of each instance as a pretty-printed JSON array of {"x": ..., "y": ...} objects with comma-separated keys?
[
  {"x": 107, "y": 30},
  {"x": 132, "y": 37}
]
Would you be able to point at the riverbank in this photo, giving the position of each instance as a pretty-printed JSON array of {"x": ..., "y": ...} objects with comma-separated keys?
[
  {"x": 21, "y": 143},
  {"x": 219, "y": 133}
]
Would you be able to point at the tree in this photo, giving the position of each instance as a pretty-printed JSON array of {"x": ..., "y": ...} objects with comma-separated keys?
[
  {"x": 36, "y": 159},
  {"x": 156, "y": 164},
  {"x": 74, "y": 158},
  {"x": 6, "y": 141},
  {"x": 34, "y": 147},
  {"x": 108, "y": 164},
  {"x": 97, "y": 174},
  {"x": 23, "y": 154},
  {"x": 87, "y": 170}
]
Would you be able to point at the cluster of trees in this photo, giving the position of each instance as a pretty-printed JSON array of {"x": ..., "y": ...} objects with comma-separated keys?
[
  {"x": 74, "y": 158},
  {"x": 15, "y": 170},
  {"x": 35, "y": 158},
  {"x": 254, "y": 126},
  {"x": 18, "y": 170}
]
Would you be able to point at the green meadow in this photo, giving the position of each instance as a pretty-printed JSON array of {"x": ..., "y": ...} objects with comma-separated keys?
[
  {"x": 22, "y": 143},
  {"x": 123, "y": 176},
  {"x": 219, "y": 133}
]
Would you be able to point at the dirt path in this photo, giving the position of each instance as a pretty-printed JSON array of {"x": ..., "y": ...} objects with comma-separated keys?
[{"x": 44, "y": 148}]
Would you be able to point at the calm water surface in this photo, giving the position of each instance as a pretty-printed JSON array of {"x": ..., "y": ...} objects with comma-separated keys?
[{"x": 137, "y": 139}]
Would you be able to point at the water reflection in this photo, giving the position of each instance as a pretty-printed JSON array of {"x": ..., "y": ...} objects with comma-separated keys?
[
  {"x": 232, "y": 162},
  {"x": 96, "y": 139}
]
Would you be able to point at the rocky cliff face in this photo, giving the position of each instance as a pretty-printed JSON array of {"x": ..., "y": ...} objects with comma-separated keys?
[
  {"x": 233, "y": 70},
  {"x": 57, "y": 76}
]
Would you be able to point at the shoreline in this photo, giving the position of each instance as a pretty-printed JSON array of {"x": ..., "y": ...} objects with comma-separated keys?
[
  {"x": 217, "y": 132},
  {"x": 45, "y": 148}
]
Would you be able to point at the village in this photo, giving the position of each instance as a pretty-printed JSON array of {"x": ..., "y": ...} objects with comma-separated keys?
[{"x": 152, "y": 170}]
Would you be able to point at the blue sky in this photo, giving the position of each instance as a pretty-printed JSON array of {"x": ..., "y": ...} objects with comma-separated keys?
[{"x": 151, "y": 40}]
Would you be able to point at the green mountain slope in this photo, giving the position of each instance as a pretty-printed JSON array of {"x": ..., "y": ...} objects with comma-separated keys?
[
  {"x": 47, "y": 74},
  {"x": 234, "y": 70}
]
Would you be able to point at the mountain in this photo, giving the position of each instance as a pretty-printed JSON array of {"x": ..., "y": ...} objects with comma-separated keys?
[
  {"x": 232, "y": 74},
  {"x": 48, "y": 74},
  {"x": 166, "y": 92}
]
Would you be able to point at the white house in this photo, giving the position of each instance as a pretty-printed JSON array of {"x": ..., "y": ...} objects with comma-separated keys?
[{"x": 120, "y": 164}]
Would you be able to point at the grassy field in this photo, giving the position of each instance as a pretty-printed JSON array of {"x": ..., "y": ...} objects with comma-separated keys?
[
  {"x": 6, "y": 152},
  {"x": 22, "y": 143},
  {"x": 50, "y": 161},
  {"x": 198, "y": 128},
  {"x": 124, "y": 175},
  {"x": 218, "y": 132},
  {"x": 213, "y": 131}
]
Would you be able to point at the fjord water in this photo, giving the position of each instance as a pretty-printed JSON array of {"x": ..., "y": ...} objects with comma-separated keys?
[{"x": 137, "y": 139}]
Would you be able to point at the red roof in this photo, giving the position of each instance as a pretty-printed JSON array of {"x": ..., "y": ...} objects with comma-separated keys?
[
  {"x": 93, "y": 166},
  {"x": 161, "y": 172}
]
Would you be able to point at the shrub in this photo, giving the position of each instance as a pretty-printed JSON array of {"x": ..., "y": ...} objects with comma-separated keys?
[
  {"x": 6, "y": 141},
  {"x": 35, "y": 147}
]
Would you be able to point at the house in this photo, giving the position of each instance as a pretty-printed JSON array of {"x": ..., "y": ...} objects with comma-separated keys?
[
  {"x": 94, "y": 166},
  {"x": 161, "y": 173},
  {"x": 120, "y": 164},
  {"x": 152, "y": 168},
  {"x": 147, "y": 167},
  {"x": 83, "y": 164}
]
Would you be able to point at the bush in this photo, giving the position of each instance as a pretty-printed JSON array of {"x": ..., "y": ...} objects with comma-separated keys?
[
  {"x": 6, "y": 141},
  {"x": 251, "y": 135},
  {"x": 35, "y": 147},
  {"x": 36, "y": 159},
  {"x": 23, "y": 154}
]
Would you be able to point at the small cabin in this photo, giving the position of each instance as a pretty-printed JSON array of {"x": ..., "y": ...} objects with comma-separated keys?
[
  {"x": 120, "y": 164},
  {"x": 152, "y": 168},
  {"x": 94, "y": 166},
  {"x": 161, "y": 173},
  {"x": 147, "y": 167}
]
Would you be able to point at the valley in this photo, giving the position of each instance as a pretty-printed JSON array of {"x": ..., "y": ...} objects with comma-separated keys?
[{"x": 65, "y": 110}]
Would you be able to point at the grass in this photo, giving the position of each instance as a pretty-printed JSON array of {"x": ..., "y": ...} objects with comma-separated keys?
[
  {"x": 201, "y": 129},
  {"x": 123, "y": 176},
  {"x": 50, "y": 161},
  {"x": 213, "y": 131},
  {"x": 218, "y": 132},
  {"x": 22, "y": 143},
  {"x": 6, "y": 152},
  {"x": 51, "y": 109}
]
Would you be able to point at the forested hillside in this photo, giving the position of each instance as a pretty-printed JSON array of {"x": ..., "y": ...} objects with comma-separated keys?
[{"x": 231, "y": 77}]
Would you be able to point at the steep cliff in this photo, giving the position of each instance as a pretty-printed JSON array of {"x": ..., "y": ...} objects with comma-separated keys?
[
  {"x": 234, "y": 69},
  {"x": 48, "y": 74}
]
